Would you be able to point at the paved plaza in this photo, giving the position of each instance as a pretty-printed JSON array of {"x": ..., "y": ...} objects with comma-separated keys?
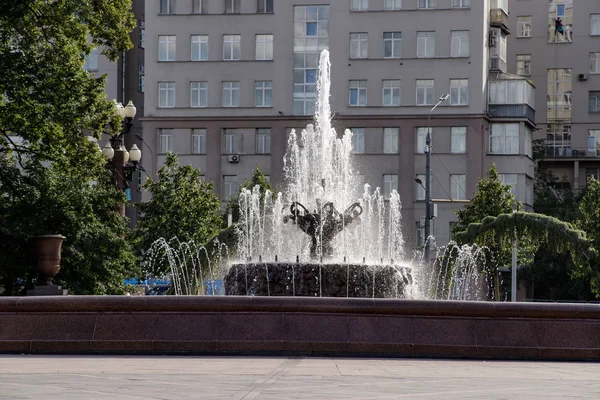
[{"x": 190, "y": 377}]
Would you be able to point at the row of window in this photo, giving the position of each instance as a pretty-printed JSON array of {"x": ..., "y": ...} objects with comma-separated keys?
[
  {"x": 504, "y": 139},
  {"x": 357, "y": 93},
  {"x": 363, "y": 5},
  {"x": 167, "y": 47},
  {"x": 200, "y": 6},
  {"x": 525, "y": 26},
  {"x": 359, "y": 46}
]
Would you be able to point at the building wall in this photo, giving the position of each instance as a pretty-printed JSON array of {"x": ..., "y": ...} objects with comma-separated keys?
[{"x": 374, "y": 117}]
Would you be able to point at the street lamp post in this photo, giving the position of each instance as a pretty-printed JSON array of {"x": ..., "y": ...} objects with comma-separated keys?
[
  {"x": 428, "y": 210},
  {"x": 117, "y": 154}
]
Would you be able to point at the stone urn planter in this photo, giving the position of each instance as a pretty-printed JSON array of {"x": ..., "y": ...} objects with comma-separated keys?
[{"x": 47, "y": 253}]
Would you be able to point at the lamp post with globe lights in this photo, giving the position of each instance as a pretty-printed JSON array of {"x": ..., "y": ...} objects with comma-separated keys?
[{"x": 122, "y": 163}]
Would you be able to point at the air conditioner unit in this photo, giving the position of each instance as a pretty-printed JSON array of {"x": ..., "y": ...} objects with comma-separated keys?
[
  {"x": 582, "y": 77},
  {"x": 234, "y": 158}
]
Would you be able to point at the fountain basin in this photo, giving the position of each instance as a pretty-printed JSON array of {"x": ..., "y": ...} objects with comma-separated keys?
[{"x": 318, "y": 280}]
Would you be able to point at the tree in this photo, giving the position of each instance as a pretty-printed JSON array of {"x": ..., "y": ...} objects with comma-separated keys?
[
  {"x": 589, "y": 221},
  {"x": 182, "y": 206},
  {"x": 257, "y": 179}
]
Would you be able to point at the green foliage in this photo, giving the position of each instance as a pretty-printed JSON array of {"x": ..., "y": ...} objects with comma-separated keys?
[
  {"x": 182, "y": 206},
  {"x": 589, "y": 221},
  {"x": 257, "y": 178},
  {"x": 51, "y": 200}
]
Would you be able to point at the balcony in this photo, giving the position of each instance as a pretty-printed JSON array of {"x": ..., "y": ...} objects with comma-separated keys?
[
  {"x": 512, "y": 111},
  {"x": 565, "y": 152},
  {"x": 499, "y": 19}
]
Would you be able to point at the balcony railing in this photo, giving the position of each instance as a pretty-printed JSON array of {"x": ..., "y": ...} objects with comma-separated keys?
[
  {"x": 499, "y": 19},
  {"x": 565, "y": 151},
  {"x": 512, "y": 111}
]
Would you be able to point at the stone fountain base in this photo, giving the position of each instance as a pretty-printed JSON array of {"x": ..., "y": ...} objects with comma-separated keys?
[{"x": 317, "y": 280}]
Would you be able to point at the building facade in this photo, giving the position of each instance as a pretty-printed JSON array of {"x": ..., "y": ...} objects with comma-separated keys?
[
  {"x": 565, "y": 68},
  {"x": 227, "y": 80}
]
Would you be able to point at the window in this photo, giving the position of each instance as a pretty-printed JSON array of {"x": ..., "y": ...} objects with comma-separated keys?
[
  {"x": 263, "y": 93},
  {"x": 524, "y": 64},
  {"x": 263, "y": 141},
  {"x": 425, "y": 92},
  {"x": 231, "y": 47},
  {"x": 391, "y": 93},
  {"x": 392, "y": 5},
  {"x": 426, "y": 4},
  {"x": 359, "y": 45},
  {"x": 390, "y": 184},
  {"x": 563, "y": 10},
  {"x": 230, "y": 141},
  {"x": 594, "y": 142},
  {"x": 392, "y": 44},
  {"x": 524, "y": 27},
  {"x": 264, "y": 6},
  {"x": 230, "y": 186},
  {"x": 390, "y": 140},
  {"x": 594, "y": 63},
  {"x": 528, "y": 142},
  {"x": 594, "y": 101},
  {"x": 510, "y": 180},
  {"x": 420, "y": 190},
  {"x": 198, "y": 94},
  {"x": 425, "y": 44},
  {"x": 504, "y": 139},
  {"x": 141, "y": 78},
  {"x": 461, "y": 3},
  {"x": 165, "y": 138},
  {"x": 166, "y": 6},
  {"x": 91, "y": 61},
  {"x": 458, "y": 187},
  {"x": 198, "y": 141},
  {"x": 199, "y": 47},
  {"x": 358, "y": 140},
  {"x": 358, "y": 93},
  {"x": 359, "y": 5},
  {"x": 459, "y": 92},
  {"x": 595, "y": 24},
  {"x": 197, "y": 7},
  {"x": 166, "y": 94},
  {"x": 231, "y": 94},
  {"x": 458, "y": 140},
  {"x": 264, "y": 47},
  {"x": 528, "y": 191},
  {"x": 459, "y": 46},
  {"x": 422, "y": 139},
  {"x": 166, "y": 48},
  {"x": 232, "y": 6},
  {"x": 142, "y": 36}
]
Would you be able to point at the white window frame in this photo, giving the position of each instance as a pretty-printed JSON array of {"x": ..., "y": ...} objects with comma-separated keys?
[
  {"x": 594, "y": 101},
  {"x": 232, "y": 7},
  {"x": 230, "y": 141},
  {"x": 167, "y": 92},
  {"x": 263, "y": 141},
  {"x": 458, "y": 140},
  {"x": 197, "y": 6},
  {"x": 198, "y": 94},
  {"x": 461, "y": 3},
  {"x": 595, "y": 63},
  {"x": 199, "y": 48},
  {"x": 390, "y": 183},
  {"x": 426, "y": 44},
  {"x": 524, "y": 26},
  {"x": 265, "y": 7},
  {"x": 166, "y": 6},
  {"x": 524, "y": 64},
  {"x": 511, "y": 180},
  {"x": 359, "y": 45},
  {"x": 359, "y": 5},
  {"x": 419, "y": 189},
  {"x": 426, "y": 4},
  {"x": 165, "y": 141},
  {"x": 425, "y": 90},
  {"x": 459, "y": 92},
  {"x": 264, "y": 47},
  {"x": 230, "y": 186},
  {"x": 198, "y": 141},
  {"x": 390, "y": 140},
  {"x": 261, "y": 89},
  {"x": 421, "y": 141},
  {"x": 231, "y": 92},
  {"x": 395, "y": 44},
  {"x": 358, "y": 140},
  {"x": 232, "y": 47},
  {"x": 594, "y": 24},
  {"x": 458, "y": 187},
  {"x": 391, "y": 93},
  {"x": 91, "y": 60},
  {"x": 459, "y": 46},
  {"x": 167, "y": 47},
  {"x": 358, "y": 87},
  {"x": 503, "y": 140},
  {"x": 392, "y": 5}
]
